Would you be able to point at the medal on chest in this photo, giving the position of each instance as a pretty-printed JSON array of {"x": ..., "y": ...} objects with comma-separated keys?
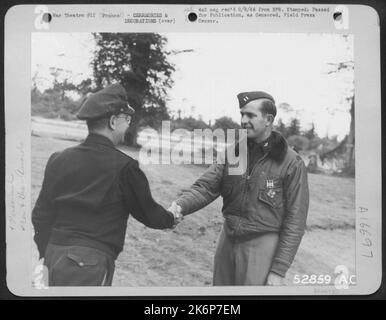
[{"x": 270, "y": 185}]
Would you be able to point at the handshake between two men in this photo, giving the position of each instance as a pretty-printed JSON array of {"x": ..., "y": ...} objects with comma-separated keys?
[
  {"x": 81, "y": 225},
  {"x": 175, "y": 209}
]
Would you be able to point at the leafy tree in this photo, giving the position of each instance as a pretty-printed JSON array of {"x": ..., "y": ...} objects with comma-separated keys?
[
  {"x": 189, "y": 123},
  {"x": 51, "y": 104},
  {"x": 54, "y": 102},
  {"x": 348, "y": 144},
  {"x": 286, "y": 108},
  {"x": 310, "y": 133},
  {"x": 226, "y": 123},
  {"x": 281, "y": 128},
  {"x": 61, "y": 84},
  {"x": 299, "y": 143},
  {"x": 85, "y": 87},
  {"x": 315, "y": 143},
  {"x": 293, "y": 128},
  {"x": 138, "y": 61}
]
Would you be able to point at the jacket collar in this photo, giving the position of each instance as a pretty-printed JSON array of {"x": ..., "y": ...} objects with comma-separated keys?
[
  {"x": 261, "y": 147},
  {"x": 278, "y": 148},
  {"x": 93, "y": 138}
]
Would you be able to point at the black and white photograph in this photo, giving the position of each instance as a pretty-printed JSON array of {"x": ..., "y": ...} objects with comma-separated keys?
[
  {"x": 291, "y": 214},
  {"x": 211, "y": 161}
]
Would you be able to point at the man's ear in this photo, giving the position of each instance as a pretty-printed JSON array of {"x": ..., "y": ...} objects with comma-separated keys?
[
  {"x": 270, "y": 118},
  {"x": 112, "y": 122}
]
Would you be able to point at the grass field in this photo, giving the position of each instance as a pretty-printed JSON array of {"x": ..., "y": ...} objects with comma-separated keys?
[{"x": 184, "y": 256}]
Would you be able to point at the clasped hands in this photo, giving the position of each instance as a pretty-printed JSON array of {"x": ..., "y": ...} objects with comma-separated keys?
[{"x": 175, "y": 209}]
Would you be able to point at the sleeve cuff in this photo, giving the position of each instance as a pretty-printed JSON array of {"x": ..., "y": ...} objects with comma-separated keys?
[
  {"x": 279, "y": 268},
  {"x": 171, "y": 221},
  {"x": 183, "y": 206}
]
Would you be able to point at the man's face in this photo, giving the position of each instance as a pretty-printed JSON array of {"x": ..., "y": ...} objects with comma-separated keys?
[
  {"x": 253, "y": 120},
  {"x": 122, "y": 125}
]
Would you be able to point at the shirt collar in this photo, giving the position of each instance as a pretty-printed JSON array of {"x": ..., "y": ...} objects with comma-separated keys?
[{"x": 99, "y": 139}]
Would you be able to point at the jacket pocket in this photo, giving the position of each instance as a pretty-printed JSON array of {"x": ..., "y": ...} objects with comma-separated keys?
[
  {"x": 78, "y": 267},
  {"x": 87, "y": 261},
  {"x": 273, "y": 197}
]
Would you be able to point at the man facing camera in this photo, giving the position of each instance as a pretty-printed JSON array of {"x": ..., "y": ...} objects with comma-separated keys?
[
  {"x": 264, "y": 208},
  {"x": 88, "y": 192}
]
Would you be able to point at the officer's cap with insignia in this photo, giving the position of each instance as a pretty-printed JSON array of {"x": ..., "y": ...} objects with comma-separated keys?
[
  {"x": 246, "y": 97},
  {"x": 108, "y": 101}
]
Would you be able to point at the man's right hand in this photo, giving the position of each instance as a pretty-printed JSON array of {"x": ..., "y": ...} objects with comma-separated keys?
[{"x": 175, "y": 209}]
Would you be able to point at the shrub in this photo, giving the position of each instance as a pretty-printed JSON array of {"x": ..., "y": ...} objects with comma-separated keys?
[
  {"x": 66, "y": 115},
  {"x": 299, "y": 143}
]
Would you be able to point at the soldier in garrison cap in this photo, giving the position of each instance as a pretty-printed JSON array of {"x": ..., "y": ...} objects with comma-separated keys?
[
  {"x": 87, "y": 195},
  {"x": 265, "y": 208}
]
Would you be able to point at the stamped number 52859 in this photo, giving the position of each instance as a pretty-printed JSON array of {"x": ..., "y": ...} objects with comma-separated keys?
[{"x": 312, "y": 279}]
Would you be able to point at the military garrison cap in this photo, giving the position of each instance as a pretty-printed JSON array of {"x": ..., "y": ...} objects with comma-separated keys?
[
  {"x": 246, "y": 97},
  {"x": 108, "y": 101}
]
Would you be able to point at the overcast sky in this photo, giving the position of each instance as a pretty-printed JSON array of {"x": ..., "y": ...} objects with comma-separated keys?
[{"x": 291, "y": 67}]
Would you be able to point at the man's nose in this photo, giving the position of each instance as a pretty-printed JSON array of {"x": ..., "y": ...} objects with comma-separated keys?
[{"x": 244, "y": 119}]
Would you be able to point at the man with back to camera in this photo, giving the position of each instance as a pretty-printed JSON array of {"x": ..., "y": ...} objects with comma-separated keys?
[
  {"x": 87, "y": 194},
  {"x": 264, "y": 208}
]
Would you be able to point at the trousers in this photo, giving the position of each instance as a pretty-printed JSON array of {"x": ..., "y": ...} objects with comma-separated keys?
[
  {"x": 244, "y": 261},
  {"x": 78, "y": 266}
]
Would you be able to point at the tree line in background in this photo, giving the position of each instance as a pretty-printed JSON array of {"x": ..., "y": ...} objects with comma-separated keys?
[
  {"x": 54, "y": 103},
  {"x": 140, "y": 62}
]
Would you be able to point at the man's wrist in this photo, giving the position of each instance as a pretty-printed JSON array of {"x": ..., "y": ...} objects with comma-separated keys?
[
  {"x": 276, "y": 274},
  {"x": 180, "y": 203},
  {"x": 279, "y": 268}
]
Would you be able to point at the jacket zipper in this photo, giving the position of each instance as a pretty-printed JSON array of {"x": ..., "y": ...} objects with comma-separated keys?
[
  {"x": 247, "y": 178},
  {"x": 245, "y": 189}
]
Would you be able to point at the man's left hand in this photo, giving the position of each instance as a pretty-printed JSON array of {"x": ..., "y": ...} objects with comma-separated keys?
[{"x": 274, "y": 279}]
